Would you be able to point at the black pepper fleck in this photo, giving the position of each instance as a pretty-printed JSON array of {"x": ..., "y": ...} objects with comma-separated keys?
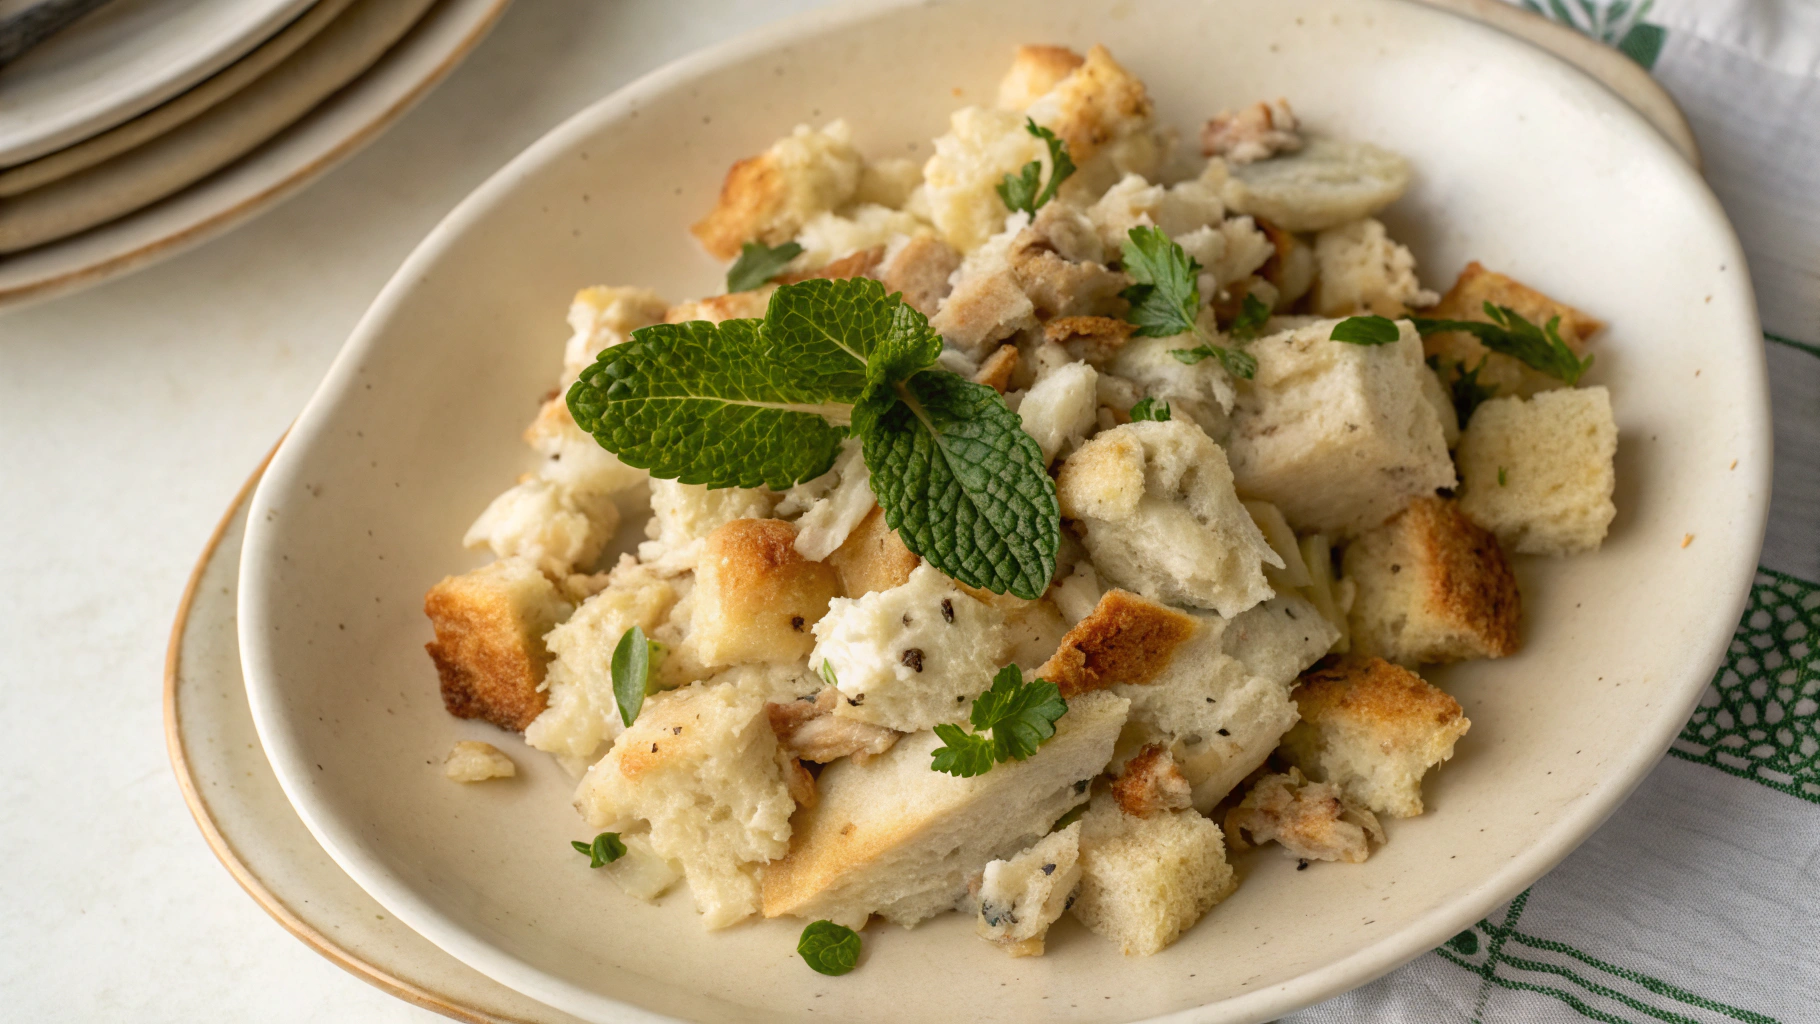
[
  {"x": 677, "y": 731},
  {"x": 1301, "y": 865},
  {"x": 653, "y": 748},
  {"x": 1048, "y": 869},
  {"x": 1289, "y": 612},
  {"x": 1224, "y": 733},
  {"x": 796, "y": 623},
  {"x": 947, "y": 609},
  {"x": 913, "y": 657},
  {"x": 1394, "y": 569}
]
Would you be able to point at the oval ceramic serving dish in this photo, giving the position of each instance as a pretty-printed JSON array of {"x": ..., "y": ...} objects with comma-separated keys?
[{"x": 1521, "y": 162}]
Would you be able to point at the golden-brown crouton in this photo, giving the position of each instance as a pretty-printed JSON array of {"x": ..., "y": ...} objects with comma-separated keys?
[
  {"x": 920, "y": 271},
  {"x": 1466, "y": 300},
  {"x": 1311, "y": 820},
  {"x": 996, "y": 371},
  {"x": 1034, "y": 71},
  {"x": 489, "y": 648},
  {"x": 1095, "y": 339},
  {"x": 1127, "y": 639},
  {"x": 756, "y": 597},
  {"x": 1432, "y": 587},
  {"x": 1094, "y": 105},
  {"x": 1373, "y": 729},
  {"x": 863, "y": 263},
  {"x": 716, "y": 308},
  {"x": 1150, "y": 782},
  {"x": 872, "y": 557},
  {"x": 769, "y": 197}
]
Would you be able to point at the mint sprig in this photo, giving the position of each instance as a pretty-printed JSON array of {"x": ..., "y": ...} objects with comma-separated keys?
[
  {"x": 758, "y": 263},
  {"x": 1010, "y": 721},
  {"x": 750, "y": 402},
  {"x": 1166, "y": 299},
  {"x": 1019, "y": 191},
  {"x": 829, "y": 948}
]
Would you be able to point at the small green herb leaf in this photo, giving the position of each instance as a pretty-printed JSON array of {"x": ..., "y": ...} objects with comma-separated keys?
[
  {"x": 827, "y": 673},
  {"x": 1366, "y": 330},
  {"x": 1010, "y": 721},
  {"x": 829, "y": 948},
  {"x": 1467, "y": 393},
  {"x": 631, "y": 673},
  {"x": 605, "y": 849},
  {"x": 1503, "y": 477},
  {"x": 1150, "y": 409},
  {"x": 1509, "y": 334},
  {"x": 758, "y": 263},
  {"x": 1020, "y": 191},
  {"x": 1236, "y": 362},
  {"x": 965, "y": 754},
  {"x": 1253, "y": 313},
  {"x": 1167, "y": 296}
]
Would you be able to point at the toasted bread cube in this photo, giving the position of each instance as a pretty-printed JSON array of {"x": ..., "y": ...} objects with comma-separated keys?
[
  {"x": 891, "y": 837},
  {"x": 1223, "y": 703},
  {"x": 1161, "y": 518},
  {"x": 1538, "y": 473},
  {"x": 1020, "y": 897},
  {"x": 601, "y": 317},
  {"x": 682, "y": 516},
  {"x": 1373, "y": 729},
  {"x": 702, "y": 767},
  {"x": 1363, "y": 270},
  {"x": 1311, "y": 820},
  {"x": 910, "y": 657},
  {"x": 1126, "y": 639},
  {"x": 746, "y": 305},
  {"x": 1034, "y": 71},
  {"x": 1433, "y": 587},
  {"x": 1144, "y": 881},
  {"x": 1103, "y": 112},
  {"x": 545, "y": 523},
  {"x": 1324, "y": 184},
  {"x": 756, "y": 596},
  {"x": 1337, "y": 436},
  {"x": 489, "y": 647},
  {"x": 769, "y": 197},
  {"x": 474, "y": 761},
  {"x": 1457, "y": 350},
  {"x": 920, "y": 269},
  {"x": 582, "y": 712},
  {"x": 872, "y": 558}
]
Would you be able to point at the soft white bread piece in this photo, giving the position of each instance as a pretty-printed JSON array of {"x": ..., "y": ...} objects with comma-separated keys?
[
  {"x": 1145, "y": 881},
  {"x": 1373, "y": 729},
  {"x": 702, "y": 767},
  {"x": 1337, "y": 436},
  {"x": 1324, "y": 184},
  {"x": 642, "y": 872},
  {"x": 1538, "y": 473},
  {"x": 1432, "y": 587},
  {"x": 827, "y": 508},
  {"x": 601, "y": 317},
  {"x": 1125, "y": 639},
  {"x": 1059, "y": 409},
  {"x": 888, "y": 182},
  {"x": 1311, "y": 820},
  {"x": 1161, "y": 518},
  {"x": 1103, "y": 113},
  {"x": 1020, "y": 897},
  {"x": 1223, "y": 703},
  {"x": 912, "y": 656},
  {"x": 581, "y": 713},
  {"x": 546, "y": 523},
  {"x": 1363, "y": 270},
  {"x": 768, "y": 198},
  {"x": 1034, "y": 71},
  {"x": 474, "y": 761},
  {"x": 828, "y": 237},
  {"x": 1457, "y": 350},
  {"x": 959, "y": 192},
  {"x": 756, "y": 596},
  {"x": 489, "y": 649},
  {"x": 682, "y": 516},
  {"x": 714, "y": 309},
  {"x": 1033, "y": 633},
  {"x": 892, "y": 837},
  {"x": 1133, "y": 202},
  {"x": 575, "y": 461},
  {"x": 1202, "y": 392},
  {"x": 873, "y": 557},
  {"x": 1437, "y": 396}
]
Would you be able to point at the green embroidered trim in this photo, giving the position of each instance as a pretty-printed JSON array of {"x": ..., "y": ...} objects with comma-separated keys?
[
  {"x": 1760, "y": 720},
  {"x": 1812, "y": 350},
  {"x": 1617, "y": 23}
]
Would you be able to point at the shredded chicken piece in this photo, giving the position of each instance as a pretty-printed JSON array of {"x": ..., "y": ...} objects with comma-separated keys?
[
  {"x": 808, "y": 730},
  {"x": 1151, "y": 782},
  {"x": 1257, "y": 132},
  {"x": 1311, "y": 820}
]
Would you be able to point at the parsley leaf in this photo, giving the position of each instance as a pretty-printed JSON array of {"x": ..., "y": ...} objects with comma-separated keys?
[
  {"x": 1509, "y": 334},
  {"x": 1366, "y": 330},
  {"x": 1253, "y": 312},
  {"x": 605, "y": 849},
  {"x": 829, "y": 948},
  {"x": 758, "y": 263},
  {"x": 827, "y": 673},
  {"x": 1237, "y": 362},
  {"x": 1019, "y": 191},
  {"x": 1467, "y": 392},
  {"x": 1167, "y": 295},
  {"x": 1150, "y": 409},
  {"x": 1018, "y": 716},
  {"x": 631, "y": 667},
  {"x": 963, "y": 484}
]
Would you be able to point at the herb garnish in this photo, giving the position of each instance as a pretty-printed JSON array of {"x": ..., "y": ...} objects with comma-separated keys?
[
  {"x": 1150, "y": 409},
  {"x": 1464, "y": 388},
  {"x": 829, "y": 948},
  {"x": 1540, "y": 348},
  {"x": 745, "y": 403},
  {"x": 1020, "y": 716},
  {"x": 1366, "y": 330},
  {"x": 1020, "y": 191},
  {"x": 631, "y": 667},
  {"x": 1253, "y": 313},
  {"x": 605, "y": 849},
  {"x": 758, "y": 263},
  {"x": 1166, "y": 299}
]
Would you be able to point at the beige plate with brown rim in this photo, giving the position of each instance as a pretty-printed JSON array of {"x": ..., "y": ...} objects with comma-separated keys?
[{"x": 246, "y": 819}]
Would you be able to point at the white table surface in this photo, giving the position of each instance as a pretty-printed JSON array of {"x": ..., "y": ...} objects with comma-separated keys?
[{"x": 129, "y": 416}]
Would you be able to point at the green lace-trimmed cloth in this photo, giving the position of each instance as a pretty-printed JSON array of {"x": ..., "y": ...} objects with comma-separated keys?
[{"x": 1700, "y": 900}]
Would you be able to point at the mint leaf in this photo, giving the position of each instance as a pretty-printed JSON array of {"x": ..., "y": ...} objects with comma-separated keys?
[
  {"x": 1366, "y": 330},
  {"x": 963, "y": 484},
  {"x": 1150, "y": 409},
  {"x": 1021, "y": 715},
  {"x": 1167, "y": 295},
  {"x": 829, "y": 948},
  {"x": 631, "y": 673},
  {"x": 1510, "y": 334},
  {"x": 758, "y": 263},
  {"x": 1019, "y": 191},
  {"x": 965, "y": 755},
  {"x": 1237, "y": 363},
  {"x": 605, "y": 849},
  {"x": 1253, "y": 312}
]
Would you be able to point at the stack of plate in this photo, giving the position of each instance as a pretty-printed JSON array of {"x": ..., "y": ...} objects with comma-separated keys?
[{"x": 151, "y": 124}]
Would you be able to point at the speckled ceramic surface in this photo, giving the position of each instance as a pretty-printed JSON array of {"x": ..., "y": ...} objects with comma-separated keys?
[{"x": 416, "y": 427}]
